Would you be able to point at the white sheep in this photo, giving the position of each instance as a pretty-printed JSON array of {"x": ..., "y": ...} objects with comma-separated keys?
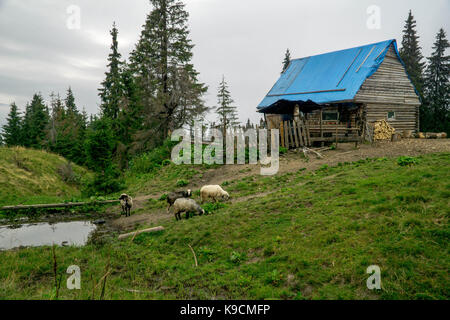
[
  {"x": 186, "y": 205},
  {"x": 216, "y": 193},
  {"x": 127, "y": 203}
]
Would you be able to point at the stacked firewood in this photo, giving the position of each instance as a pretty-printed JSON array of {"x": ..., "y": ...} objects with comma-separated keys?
[{"x": 382, "y": 130}]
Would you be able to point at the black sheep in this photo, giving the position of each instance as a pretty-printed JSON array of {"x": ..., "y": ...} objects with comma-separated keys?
[{"x": 172, "y": 197}]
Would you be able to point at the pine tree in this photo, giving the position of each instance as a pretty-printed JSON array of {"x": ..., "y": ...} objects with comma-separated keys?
[
  {"x": 71, "y": 107},
  {"x": 26, "y": 126},
  {"x": 99, "y": 148},
  {"x": 169, "y": 89},
  {"x": 411, "y": 53},
  {"x": 56, "y": 125},
  {"x": 35, "y": 123},
  {"x": 12, "y": 130},
  {"x": 287, "y": 60},
  {"x": 111, "y": 91},
  {"x": 437, "y": 87},
  {"x": 227, "y": 113}
]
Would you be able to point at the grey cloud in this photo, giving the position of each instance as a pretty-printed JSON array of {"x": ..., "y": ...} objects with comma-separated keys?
[{"x": 243, "y": 40}]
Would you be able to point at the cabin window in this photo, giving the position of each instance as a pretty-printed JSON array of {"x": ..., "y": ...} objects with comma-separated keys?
[
  {"x": 391, "y": 115},
  {"x": 329, "y": 116}
]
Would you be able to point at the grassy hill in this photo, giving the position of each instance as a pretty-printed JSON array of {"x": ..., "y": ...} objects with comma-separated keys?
[
  {"x": 299, "y": 235},
  {"x": 30, "y": 176}
]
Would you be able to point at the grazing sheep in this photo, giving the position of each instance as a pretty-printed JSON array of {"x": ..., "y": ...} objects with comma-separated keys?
[
  {"x": 186, "y": 205},
  {"x": 216, "y": 193},
  {"x": 127, "y": 203},
  {"x": 172, "y": 197}
]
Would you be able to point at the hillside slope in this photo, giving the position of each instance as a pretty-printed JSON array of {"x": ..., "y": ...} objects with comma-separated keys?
[
  {"x": 30, "y": 176},
  {"x": 299, "y": 235}
]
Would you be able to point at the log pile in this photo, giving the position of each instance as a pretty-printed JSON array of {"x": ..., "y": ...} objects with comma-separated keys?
[
  {"x": 431, "y": 135},
  {"x": 382, "y": 130}
]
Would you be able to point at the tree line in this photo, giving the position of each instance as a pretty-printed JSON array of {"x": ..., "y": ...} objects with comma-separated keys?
[{"x": 142, "y": 101}]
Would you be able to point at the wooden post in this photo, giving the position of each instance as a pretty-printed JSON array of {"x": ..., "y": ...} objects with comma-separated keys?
[
  {"x": 337, "y": 125},
  {"x": 282, "y": 133},
  {"x": 295, "y": 134},
  {"x": 307, "y": 133},
  {"x": 286, "y": 135},
  {"x": 300, "y": 137},
  {"x": 321, "y": 126},
  {"x": 291, "y": 137}
]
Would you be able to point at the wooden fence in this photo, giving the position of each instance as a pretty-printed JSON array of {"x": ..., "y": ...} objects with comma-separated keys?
[
  {"x": 294, "y": 134},
  {"x": 303, "y": 133}
]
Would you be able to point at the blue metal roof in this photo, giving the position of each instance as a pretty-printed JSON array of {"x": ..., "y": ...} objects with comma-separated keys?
[{"x": 330, "y": 77}]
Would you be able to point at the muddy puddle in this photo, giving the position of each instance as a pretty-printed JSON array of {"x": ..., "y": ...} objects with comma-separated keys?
[{"x": 73, "y": 233}]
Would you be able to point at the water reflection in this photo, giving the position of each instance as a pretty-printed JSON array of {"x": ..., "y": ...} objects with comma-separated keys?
[{"x": 41, "y": 234}]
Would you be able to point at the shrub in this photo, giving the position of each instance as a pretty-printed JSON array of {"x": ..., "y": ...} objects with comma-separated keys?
[
  {"x": 152, "y": 160},
  {"x": 235, "y": 257},
  {"x": 105, "y": 182},
  {"x": 407, "y": 161},
  {"x": 67, "y": 174},
  {"x": 182, "y": 183},
  {"x": 211, "y": 207}
]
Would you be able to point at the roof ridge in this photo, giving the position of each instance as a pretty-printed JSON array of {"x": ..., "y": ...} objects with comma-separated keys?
[{"x": 352, "y": 48}]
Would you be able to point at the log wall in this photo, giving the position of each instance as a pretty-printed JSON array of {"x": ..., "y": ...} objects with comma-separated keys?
[{"x": 389, "y": 89}]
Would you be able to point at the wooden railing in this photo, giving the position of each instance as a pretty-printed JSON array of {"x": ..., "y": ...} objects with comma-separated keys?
[{"x": 303, "y": 133}]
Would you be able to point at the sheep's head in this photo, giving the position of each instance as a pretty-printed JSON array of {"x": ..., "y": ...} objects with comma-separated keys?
[
  {"x": 189, "y": 193},
  {"x": 123, "y": 196},
  {"x": 225, "y": 196}
]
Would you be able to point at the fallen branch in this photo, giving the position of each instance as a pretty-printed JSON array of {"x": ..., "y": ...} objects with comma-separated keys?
[
  {"x": 136, "y": 233},
  {"x": 195, "y": 257},
  {"x": 305, "y": 150},
  {"x": 56, "y": 205}
]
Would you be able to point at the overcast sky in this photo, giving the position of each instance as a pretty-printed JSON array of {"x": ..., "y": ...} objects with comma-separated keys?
[{"x": 244, "y": 40}]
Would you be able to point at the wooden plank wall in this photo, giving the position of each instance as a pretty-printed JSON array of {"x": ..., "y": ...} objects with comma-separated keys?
[{"x": 389, "y": 89}]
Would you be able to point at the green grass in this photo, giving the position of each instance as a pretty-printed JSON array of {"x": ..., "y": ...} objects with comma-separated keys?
[
  {"x": 30, "y": 176},
  {"x": 303, "y": 235}
]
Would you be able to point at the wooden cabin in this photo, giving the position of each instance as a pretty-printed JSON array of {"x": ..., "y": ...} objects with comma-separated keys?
[{"x": 338, "y": 95}]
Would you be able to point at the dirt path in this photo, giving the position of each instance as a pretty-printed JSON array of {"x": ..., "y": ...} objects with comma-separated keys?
[{"x": 291, "y": 162}]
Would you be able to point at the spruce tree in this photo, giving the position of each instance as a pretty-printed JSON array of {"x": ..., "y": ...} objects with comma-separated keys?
[
  {"x": 12, "y": 130},
  {"x": 411, "y": 53},
  {"x": 437, "y": 87},
  {"x": 286, "y": 61},
  {"x": 71, "y": 107},
  {"x": 227, "y": 113},
  {"x": 99, "y": 148},
  {"x": 26, "y": 126},
  {"x": 56, "y": 125},
  {"x": 35, "y": 123},
  {"x": 111, "y": 91},
  {"x": 162, "y": 62}
]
